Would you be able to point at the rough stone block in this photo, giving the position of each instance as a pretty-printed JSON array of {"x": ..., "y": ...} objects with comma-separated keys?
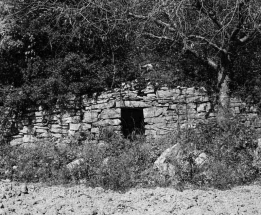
[
  {"x": 190, "y": 91},
  {"x": 86, "y": 126},
  {"x": 74, "y": 127},
  {"x": 195, "y": 99},
  {"x": 39, "y": 113},
  {"x": 154, "y": 112},
  {"x": 28, "y": 138},
  {"x": 95, "y": 130},
  {"x": 155, "y": 126},
  {"x": 41, "y": 130},
  {"x": 39, "y": 119},
  {"x": 106, "y": 122},
  {"x": 25, "y": 130},
  {"x": 179, "y": 99},
  {"x": 110, "y": 113},
  {"x": 159, "y": 119},
  {"x": 57, "y": 135},
  {"x": 55, "y": 128},
  {"x": 90, "y": 116},
  {"x": 203, "y": 107},
  {"x": 133, "y": 104},
  {"x": 16, "y": 141},
  {"x": 150, "y": 133}
]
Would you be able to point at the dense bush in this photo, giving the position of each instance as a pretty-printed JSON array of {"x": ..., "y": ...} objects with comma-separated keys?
[{"x": 230, "y": 152}]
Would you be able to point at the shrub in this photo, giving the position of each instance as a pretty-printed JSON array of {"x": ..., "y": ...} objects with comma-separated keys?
[{"x": 230, "y": 154}]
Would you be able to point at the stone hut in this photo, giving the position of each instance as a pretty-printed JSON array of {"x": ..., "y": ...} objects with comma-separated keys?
[{"x": 127, "y": 110}]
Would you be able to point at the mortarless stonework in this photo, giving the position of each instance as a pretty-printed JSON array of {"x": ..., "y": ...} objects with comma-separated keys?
[{"x": 164, "y": 110}]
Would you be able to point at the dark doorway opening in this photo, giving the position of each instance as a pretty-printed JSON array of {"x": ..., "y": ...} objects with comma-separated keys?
[{"x": 132, "y": 120}]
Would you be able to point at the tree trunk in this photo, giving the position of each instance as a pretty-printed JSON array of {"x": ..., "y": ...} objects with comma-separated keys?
[{"x": 224, "y": 113}]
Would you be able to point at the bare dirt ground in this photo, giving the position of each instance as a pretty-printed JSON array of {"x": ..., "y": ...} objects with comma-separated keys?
[{"x": 79, "y": 199}]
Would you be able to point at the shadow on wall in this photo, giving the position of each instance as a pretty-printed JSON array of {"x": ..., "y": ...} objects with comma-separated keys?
[{"x": 132, "y": 120}]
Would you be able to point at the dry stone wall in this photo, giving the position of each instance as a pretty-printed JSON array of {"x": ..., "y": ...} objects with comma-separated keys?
[{"x": 160, "y": 111}]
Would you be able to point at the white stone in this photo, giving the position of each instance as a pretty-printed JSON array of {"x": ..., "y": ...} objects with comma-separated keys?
[
  {"x": 90, "y": 116},
  {"x": 108, "y": 122},
  {"x": 201, "y": 159},
  {"x": 150, "y": 133},
  {"x": 41, "y": 130},
  {"x": 110, "y": 113},
  {"x": 165, "y": 93},
  {"x": 56, "y": 135},
  {"x": 160, "y": 119},
  {"x": 155, "y": 126},
  {"x": 134, "y": 104},
  {"x": 171, "y": 154},
  {"x": 203, "y": 107},
  {"x": 55, "y": 128},
  {"x": 154, "y": 112},
  {"x": 86, "y": 127},
  {"x": 28, "y": 138},
  {"x": 16, "y": 142},
  {"x": 190, "y": 91},
  {"x": 74, "y": 127},
  {"x": 74, "y": 164},
  {"x": 95, "y": 130}
]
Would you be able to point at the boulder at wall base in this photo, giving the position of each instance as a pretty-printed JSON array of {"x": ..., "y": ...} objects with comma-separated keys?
[{"x": 163, "y": 164}]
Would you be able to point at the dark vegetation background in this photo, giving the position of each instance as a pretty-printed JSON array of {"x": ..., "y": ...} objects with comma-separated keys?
[{"x": 50, "y": 49}]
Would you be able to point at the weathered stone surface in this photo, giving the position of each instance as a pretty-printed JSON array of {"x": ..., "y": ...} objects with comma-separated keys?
[
  {"x": 154, "y": 112},
  {"x": 150, "y": 133},
  {"x": 90, "y": 116},
  {"x": 71, "y": 119},
  {"x": 55, "y": 128},
  {"x": 39, "y": 113},
  {"x": 201, "y": 159},
  {"x": 41, "y": 130},
  {"x": 16, "y": 141},
  {"x": 75, "y": 164},
  {"x": 159, "y": 119},
  {"x": 95, "y": 130},
  {"x": 74, "y": 127},
  {"x": 165, "y": 93},
  {"x": 190, "y": 91},
  {"x": 110, "y": 113},
  {"x": 28, "y": 138},
  {"x": 164, "y": 163},
  {"x": 57, "y": 135},
  {"x": 107, "y": 122},
  {"x": 134, "y": 104},
  {"x": 155, "y": 126},
  {"x": 86, "y": 126},
  {"x": 203, "y": 107}
]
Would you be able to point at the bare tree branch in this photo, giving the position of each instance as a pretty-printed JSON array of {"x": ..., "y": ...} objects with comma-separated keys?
[
  {"x": 156, "y": 21},
  {"x": 215, "y": 46},
  {"x": 152, "y": 36}
]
